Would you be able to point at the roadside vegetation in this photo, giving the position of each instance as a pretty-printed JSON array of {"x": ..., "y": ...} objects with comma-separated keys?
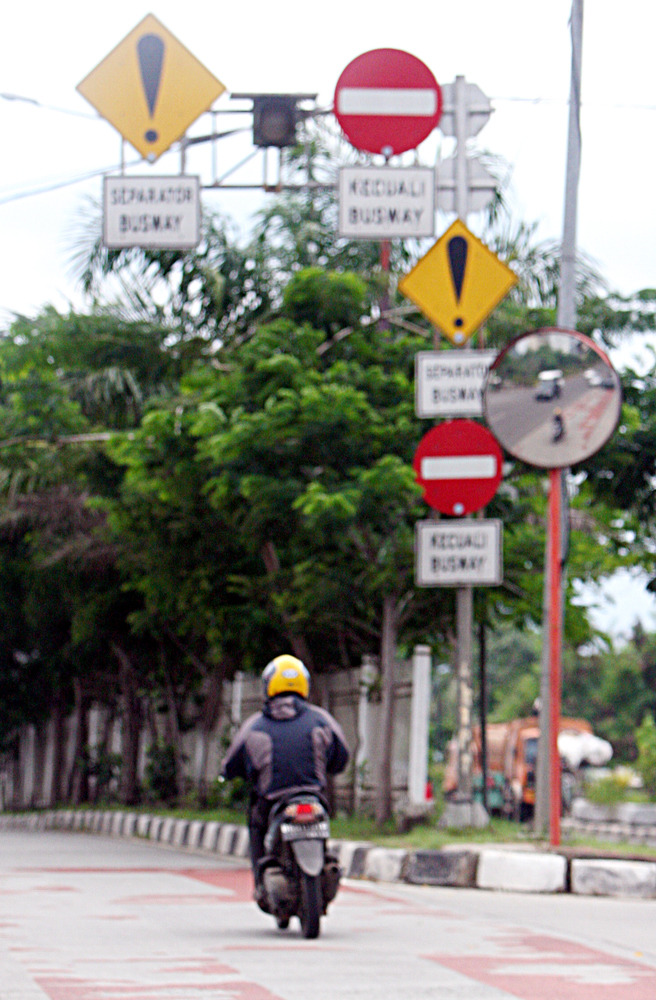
[{"x": 214, "y": 462}]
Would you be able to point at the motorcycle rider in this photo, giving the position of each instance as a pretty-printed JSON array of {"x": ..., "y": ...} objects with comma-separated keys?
[
  {"x": 290, "y": 746},
  {"x": 558, "y": 425}
]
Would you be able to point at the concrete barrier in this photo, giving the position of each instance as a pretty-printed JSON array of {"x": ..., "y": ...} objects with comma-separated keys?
[
  {"x": 612, "y": 877},
  {"x": 226, "y": 840},
  {"x": 521, "y": 871},
  {"x": 143, "y": 825},
  {"x": 502, "y": 869},
  {"x": 210, "y": 835},
  {"x": 179, "y": 832},
  {"x": 241, "y": 843},
  {"x": 166, "y": 830},
  {"x": 352, "y": 856},
  {"x": 384, "y": 864},
  {"x": 129, "y": 825},
  {"x": 625, "y": 823},
  {"x": 452, "y": 867},
  {"x": 195, "y": 833},
  {"x": 155, "y": 827}
]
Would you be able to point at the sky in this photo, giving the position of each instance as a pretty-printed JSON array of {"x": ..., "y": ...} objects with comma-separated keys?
[{"x": 517, "y": 51}]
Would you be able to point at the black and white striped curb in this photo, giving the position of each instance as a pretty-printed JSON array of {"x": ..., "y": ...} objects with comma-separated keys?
[{"x": 494, "y": 868}]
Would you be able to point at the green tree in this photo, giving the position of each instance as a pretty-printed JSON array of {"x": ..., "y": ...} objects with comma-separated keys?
[{"x": 646, "y": 764}]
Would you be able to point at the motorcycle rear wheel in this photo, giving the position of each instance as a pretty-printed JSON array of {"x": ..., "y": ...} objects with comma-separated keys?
[{"x": 311, "y": 907}]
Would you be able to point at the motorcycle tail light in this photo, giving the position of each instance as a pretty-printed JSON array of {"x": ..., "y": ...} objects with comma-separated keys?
[{"x": 303, "y": 812}]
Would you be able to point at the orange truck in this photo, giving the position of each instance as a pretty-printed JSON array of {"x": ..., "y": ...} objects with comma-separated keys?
[{"x": 512, "y": 751}]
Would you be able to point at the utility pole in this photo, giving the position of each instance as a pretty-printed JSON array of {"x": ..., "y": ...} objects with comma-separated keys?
[{"x": 548, "y": 769}]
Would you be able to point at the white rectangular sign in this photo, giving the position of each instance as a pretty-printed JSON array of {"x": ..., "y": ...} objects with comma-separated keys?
[
  {"x": 159, "y": 213},
  {"x": 458, "y": 553},
  {"x": 450, "y": 383},
  {"x": 458, "y": 467},
  {"x": 386, "y": 203}
]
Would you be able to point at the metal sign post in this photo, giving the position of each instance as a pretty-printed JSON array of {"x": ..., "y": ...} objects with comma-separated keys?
[
  {"x": 456, "y": 285},
  {"x": 555, "y": 647}
]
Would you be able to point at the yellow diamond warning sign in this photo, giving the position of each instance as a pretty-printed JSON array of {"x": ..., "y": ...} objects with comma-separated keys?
[
  {"x": 150, "y": 88},
  {"x": 457, "y": 284}
]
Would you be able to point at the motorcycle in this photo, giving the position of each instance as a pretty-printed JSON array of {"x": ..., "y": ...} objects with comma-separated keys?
[
  {"x": 299, "y": 875},
  {"x": 558, "y": 426}
]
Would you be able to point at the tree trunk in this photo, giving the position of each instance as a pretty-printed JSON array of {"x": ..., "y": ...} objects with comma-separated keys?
[
  {"x": 57, "y": 716},
  {"x": 387, "y": 669},
  {"x": 297, "y": 642},
  {"x": 79, "y": 780},
  {"x": 174, "y": 737},
  {"x": 130, "y": 729},
  {"x": 211, "y": 711}
]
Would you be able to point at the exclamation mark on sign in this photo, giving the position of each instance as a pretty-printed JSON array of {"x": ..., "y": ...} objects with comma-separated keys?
[
  {"x": 150, "y": 51},
  {"x": 457, "y": 250}
]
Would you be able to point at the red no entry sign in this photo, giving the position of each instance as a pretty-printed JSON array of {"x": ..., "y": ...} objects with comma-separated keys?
[
  {"x": 459, "y": 465},
  {"x": 387, "y": 101}
]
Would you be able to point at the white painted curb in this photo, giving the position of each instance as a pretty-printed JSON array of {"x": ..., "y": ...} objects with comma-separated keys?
[
  {"x": 522, "y": 871},
  {"x": 610, "y": 877},
  {"x": 384, "y": 864}
]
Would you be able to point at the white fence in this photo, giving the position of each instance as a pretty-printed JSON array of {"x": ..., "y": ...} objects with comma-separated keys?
[{"x": 352, "y": 696}]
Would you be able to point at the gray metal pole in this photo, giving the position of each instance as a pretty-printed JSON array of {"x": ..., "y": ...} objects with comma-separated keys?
[
  {"x": 567, "y": 319},
  {"x": 464, "y": 624},
  {"x": 464, "y": 597},
  {"x": 567, "y": 293}
]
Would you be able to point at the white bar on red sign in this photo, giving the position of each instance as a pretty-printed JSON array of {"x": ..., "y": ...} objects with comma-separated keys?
[
  {"x": 459, "y": 467},
  {"x": 387, "y": 101}
]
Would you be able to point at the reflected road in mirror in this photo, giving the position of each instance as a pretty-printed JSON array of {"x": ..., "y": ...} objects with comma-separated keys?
[{"x": 552, "y": 399}]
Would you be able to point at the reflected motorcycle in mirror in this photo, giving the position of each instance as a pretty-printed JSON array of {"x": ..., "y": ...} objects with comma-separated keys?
[
  {"x": 299, "y": 875},
  {"x": 558, "y": 426}
]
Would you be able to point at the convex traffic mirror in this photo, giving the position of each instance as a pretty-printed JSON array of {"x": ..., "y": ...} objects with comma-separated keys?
[{"x": 552, "y": 398}]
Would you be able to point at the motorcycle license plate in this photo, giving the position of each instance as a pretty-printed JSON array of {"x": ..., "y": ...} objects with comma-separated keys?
[{"x": 311, "y": 831}]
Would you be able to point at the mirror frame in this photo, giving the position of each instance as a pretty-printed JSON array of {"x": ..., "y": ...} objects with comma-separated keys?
[{"x": 575, "y": 454}]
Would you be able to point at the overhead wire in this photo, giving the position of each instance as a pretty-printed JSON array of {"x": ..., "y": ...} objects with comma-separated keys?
[
  {"x": 48, "y": 107},
  {"x": 72, "y": 180},
  {"x": 66, "y": 182}
]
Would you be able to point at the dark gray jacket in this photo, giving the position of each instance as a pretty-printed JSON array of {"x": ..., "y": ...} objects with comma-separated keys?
[{"x": 289, "y": 746}]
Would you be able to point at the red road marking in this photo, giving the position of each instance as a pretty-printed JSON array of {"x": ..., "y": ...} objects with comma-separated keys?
[
  {"x": 174, "y": 899},
  {"x": 74, "y": 988},
  {"x": 591, "y": 414},
  {"x": 54, "y": 888},
  {"x": 107, "y": 870},
  {"x": 538, "y": 967},
  {"x": 235, "y": 885},
  {"x": 205, "y": 967},
  {"x": 238, "y": 881}
]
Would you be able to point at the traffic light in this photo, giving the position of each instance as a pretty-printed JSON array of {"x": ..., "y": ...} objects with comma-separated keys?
[
  {"x": 274, "y": 121},
  {"x": 275, "y": 117}
]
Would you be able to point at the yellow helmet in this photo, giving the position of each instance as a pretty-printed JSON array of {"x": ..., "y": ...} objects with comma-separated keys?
[{"x": 286, "y": 675}]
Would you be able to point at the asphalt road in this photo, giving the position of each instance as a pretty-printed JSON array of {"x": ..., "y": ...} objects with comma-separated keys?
[
  {"x": 87, "y": 917},
  {"x": 525, "y": 426}
]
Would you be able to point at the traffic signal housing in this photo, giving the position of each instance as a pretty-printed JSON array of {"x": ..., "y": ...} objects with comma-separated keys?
[{"x": 275, "y": 117}]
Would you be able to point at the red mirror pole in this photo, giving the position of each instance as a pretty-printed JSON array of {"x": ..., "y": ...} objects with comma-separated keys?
[{"x": 555, "y": 649}]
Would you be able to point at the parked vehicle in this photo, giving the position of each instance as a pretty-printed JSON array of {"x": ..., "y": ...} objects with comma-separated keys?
[
  {"x": 299, "y": 875},
  {"x": 550, "y": 384},
  {"x": 512, "y": 752}
]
